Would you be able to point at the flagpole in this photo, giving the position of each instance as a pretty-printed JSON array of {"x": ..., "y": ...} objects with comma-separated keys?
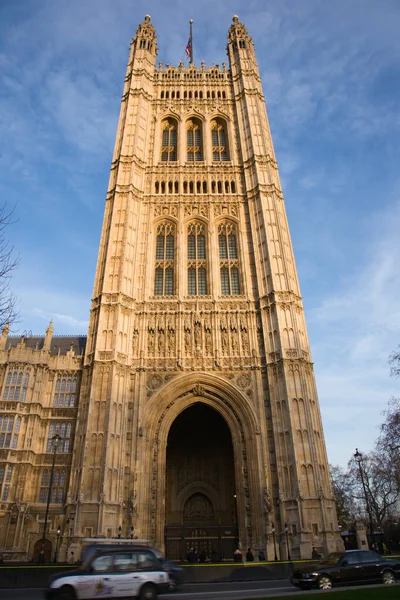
[{"x": 191, "y": 41}]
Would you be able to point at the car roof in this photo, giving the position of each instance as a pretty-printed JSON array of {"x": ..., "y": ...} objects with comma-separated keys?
[{"x": 99, "y": 550}]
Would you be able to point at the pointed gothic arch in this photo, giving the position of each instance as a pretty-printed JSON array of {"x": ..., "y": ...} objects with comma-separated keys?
[{"x": 162, "y": 410}]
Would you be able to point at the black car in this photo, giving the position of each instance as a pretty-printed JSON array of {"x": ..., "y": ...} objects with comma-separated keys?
[
  {"x": 176, "y": 572},
  {"x": 353, "y": 566}
]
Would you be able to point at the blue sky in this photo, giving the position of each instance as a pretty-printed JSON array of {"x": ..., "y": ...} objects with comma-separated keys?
[{"x": 331, "y": 78}]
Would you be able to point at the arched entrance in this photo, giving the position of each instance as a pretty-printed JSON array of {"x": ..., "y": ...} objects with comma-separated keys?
[
  {"x": 200, "y": 509},
  {"x": 48, "y": 546}
]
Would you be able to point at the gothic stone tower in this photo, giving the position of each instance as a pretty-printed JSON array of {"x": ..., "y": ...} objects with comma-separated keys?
[{"x": 198, "y": 417}]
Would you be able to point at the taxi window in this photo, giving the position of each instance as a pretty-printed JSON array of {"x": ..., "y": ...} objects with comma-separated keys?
[
  {"x": 125, "y": 562},
  {"x": 102, "y": 563},
  {"x": 147, "y": 562}
]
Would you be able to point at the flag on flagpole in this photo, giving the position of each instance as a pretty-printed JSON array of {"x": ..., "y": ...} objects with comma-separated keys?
[{"x": 189, "y": 48}]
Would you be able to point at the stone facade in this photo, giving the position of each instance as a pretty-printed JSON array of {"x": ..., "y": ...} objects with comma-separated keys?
[{"x": 195, "y": 403}]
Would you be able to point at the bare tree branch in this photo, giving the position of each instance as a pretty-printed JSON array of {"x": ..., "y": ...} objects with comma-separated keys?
[{"x": 9, "y": 309}]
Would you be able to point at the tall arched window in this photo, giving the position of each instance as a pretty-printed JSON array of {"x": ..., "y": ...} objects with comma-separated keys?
[
  {"x": 219, "y": 140},
  {"x": 169, "y": 140},
  {"x": 194, "y": 140},
  {"x": 196, "y": 253},
  {"x": 228, "y": 258},
  {"x": 165, "y": 257}
]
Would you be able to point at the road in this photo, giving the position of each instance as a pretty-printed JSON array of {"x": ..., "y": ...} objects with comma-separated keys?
[
  {"x": 192, "y": 591},
  {"x": 201, "y": 591}
]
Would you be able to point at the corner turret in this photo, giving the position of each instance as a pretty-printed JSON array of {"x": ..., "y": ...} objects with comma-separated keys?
[
  {"x": 4, "y": 336},
  {"x": 48, "y": 338},
  {"x": 145, "y": 45}
]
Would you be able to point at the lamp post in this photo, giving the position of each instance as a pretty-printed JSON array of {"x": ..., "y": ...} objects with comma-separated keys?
[
  {"x": 287, "y": 541},
  {"x": 54, "y": 440},
  {"x": 358, "y": 457},
  {"x": 57, "y": 542},
  {"x": 273, "y": 537}
]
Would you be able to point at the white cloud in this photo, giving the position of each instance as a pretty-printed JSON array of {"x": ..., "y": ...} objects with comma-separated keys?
[{"x": 353, "y": 331}]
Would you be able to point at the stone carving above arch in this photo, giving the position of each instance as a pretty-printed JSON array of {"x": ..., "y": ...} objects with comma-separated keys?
[
  {"x": 198, "y": 507},
  {"x": 198, "y": 390},
  {"x": 154, "y": 381}
]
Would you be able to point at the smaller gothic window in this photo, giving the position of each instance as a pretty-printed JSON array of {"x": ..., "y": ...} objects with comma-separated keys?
[
  {"x": 5, "y": 481},
  {"x": 65, "y": 394},
  {"x": 196, "y": 253},
  {"x": 57, "y": 487},
  {"x": 64, "y": 431},
  {"x": 194, "y": 140},
  {"x": 169, "y": 141},
  {"x": 229, "y": 263},
  {"x": 165, "y": 257},
  {"x": 9, "y": 430},
  {"x": 16, "y": 385},
  {"x": 219, "y": 140}
]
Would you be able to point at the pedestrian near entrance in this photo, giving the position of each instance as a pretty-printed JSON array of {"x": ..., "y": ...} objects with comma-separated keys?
[
  {"x": 249, "y": 555},
  {"x": 192, "y": 556},
  {"x": 315, "y": 554},
  {"x": 237, "y": 556},
  {"x": 203, "y": 556},
  {"x": 261, "y": 555}
]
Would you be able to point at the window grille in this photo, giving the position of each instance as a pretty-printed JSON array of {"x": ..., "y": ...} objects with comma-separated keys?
[
  {"x": 165, "y": 259},
  {"x": 9, "y": 429},
  {"x": 218, "y": 139},
  {"x": 65, "y": 393},
  {"x": 6, "y": 472},
  {"x": 16, "y": 384},
  {"x": 196, "y": 253},
  {"x": 64, "y": 430},
  {"x": 229, "y": 263},
  {"x": 57, "y": 487},
  {"x": 169, "y": 141},
  {"x": 194, "y": 141}
]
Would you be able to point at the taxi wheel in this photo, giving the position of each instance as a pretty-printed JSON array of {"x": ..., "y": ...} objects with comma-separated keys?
[
  {"x": 172, "y": 585},
  {"x": 66, "y": 593},
  {"x": 325, "y": 582},
  {"x": 388, "y": 578},
  {"x": 148, "y": 592}
]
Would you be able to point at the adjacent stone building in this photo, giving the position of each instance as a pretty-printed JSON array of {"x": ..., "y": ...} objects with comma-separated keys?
[{"x": 189, "y": 416}]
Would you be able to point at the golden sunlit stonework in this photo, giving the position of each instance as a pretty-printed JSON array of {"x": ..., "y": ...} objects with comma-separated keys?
[{"x": 189, "y": 415}]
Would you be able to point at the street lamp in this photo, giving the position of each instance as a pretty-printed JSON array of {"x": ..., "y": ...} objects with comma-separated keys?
[
  {"x": 54, "y": 441},
  {"x": 57, "y": 542},
  {"x": 358, "y": 458},
  {"x": 273, "y": 537},
  {"x": 287, "y": 541}
]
